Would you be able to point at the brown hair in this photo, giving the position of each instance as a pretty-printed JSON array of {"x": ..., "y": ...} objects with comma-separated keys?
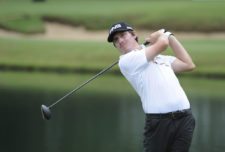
[{"x": 133, "y": 33}]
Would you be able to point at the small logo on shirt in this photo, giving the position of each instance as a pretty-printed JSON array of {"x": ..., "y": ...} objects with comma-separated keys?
[{"x": 157, "y": 61}]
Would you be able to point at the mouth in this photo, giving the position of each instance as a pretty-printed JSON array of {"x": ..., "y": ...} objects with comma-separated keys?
[{"x": 123, "y": 46}]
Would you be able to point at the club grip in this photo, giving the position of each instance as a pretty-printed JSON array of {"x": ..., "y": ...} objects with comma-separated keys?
[{"x": 146, "y": 43}]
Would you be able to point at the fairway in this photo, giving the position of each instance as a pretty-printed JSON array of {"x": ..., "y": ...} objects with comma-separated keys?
[
  {"x": 51, "y": 50},
  {"x": 208, "y": 54},
  {"x": 27, "y": 17},
  {"x": 79, "y": 42}
]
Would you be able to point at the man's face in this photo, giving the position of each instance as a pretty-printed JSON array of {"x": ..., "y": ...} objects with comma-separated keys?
[{"x": 124, "y": 41}]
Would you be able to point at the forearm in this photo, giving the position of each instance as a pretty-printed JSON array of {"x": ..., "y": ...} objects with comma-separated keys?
[
  {"x": 159, "y": 46},
  {"x": 180, "y": 52},
  {"x": 158, "y": 43}
]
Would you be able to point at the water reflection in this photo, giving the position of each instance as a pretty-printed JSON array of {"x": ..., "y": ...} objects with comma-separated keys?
[
  {"x": 210, "y": 116},
  {"x": 95, "y": 123}
]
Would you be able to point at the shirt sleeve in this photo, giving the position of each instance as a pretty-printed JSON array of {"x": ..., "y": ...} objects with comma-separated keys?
[
  {"x": 169, "y": 59},
  {"x": 133, "y": 62}
]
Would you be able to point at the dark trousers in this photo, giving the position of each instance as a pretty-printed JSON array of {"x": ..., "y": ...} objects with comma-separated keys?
[{"x": 171, "y": 132}]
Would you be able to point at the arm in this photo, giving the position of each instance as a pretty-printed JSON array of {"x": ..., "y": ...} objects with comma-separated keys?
[
  {"x": 159, "y": 43},
  {"x": 183, "y": 62}
]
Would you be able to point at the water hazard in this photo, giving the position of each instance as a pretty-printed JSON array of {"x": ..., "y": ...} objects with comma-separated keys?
[{"x": 95, "y": 122}]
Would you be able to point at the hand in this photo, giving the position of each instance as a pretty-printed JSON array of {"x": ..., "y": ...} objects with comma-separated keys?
[{"x": 154, "y": 36}]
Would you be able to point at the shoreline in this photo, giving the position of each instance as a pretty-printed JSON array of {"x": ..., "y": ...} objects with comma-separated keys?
[{"x": 59, "y": 31}]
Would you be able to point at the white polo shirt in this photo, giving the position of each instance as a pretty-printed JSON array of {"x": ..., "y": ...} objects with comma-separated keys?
[{"x": 154, "y": 81}]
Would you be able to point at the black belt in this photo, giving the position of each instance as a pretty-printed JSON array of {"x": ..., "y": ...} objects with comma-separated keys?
[{"x": 173, "y": 115}]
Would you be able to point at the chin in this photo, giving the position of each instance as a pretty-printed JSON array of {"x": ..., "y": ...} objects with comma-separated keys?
[{"x": 126, "y": 51}]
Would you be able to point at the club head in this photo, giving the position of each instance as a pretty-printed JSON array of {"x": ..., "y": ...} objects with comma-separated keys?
[{"x": 46, "y": 112}]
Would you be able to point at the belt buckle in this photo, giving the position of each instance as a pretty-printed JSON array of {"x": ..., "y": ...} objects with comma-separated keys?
[{"x": 177, "y": 114}]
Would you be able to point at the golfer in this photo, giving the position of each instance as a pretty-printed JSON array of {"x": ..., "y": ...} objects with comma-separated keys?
[{"x": 169, "y": 123}]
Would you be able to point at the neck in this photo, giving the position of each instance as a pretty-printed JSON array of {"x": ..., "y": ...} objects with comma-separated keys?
[{"x": 135, "y": 47}]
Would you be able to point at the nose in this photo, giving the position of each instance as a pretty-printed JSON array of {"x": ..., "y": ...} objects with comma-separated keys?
[{"x": 120, "y": 40}]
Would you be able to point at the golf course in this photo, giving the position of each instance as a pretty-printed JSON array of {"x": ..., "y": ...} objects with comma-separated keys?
[{"x": 48, "y": 47}]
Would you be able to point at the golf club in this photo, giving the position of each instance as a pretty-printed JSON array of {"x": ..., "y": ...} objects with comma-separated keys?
[{"x": 45, "y": 110}]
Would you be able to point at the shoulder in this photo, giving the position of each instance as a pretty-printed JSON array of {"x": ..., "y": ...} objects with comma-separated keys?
[
  {"x": 133, "y": 61},
  {"x": 135, "y": 55}
]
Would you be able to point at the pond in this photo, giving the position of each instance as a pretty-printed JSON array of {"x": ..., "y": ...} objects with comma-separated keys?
[{"x": 94, "y": 121}]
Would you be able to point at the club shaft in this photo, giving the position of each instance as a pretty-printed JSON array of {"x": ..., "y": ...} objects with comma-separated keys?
[{"x": 83, "y": 84}]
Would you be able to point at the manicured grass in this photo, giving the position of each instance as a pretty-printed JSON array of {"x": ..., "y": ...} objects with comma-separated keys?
[
  {"x": 63, "y": 83},
  {"x": 106, "y": 84},
  {"x": 66, "y": 54},
  {"x": 207, "y": 54},
  {"x": 207, "y": 88},
  {"x": 97, "y": 14}
]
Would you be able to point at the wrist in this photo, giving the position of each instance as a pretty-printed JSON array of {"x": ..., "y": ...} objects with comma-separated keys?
[
  {"x": 168, "y": 33},
  {"x": 162, "y": 31}
]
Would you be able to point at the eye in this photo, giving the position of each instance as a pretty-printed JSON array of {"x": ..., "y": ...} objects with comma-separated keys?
[{"x": 122, "y": 34}]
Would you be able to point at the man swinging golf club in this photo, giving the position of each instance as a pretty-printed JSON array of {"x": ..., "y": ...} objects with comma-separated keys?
[{"x": 169, "y": 124}]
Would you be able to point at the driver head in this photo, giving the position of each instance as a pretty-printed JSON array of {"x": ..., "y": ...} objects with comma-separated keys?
[{"x": 46, "y": 113}]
